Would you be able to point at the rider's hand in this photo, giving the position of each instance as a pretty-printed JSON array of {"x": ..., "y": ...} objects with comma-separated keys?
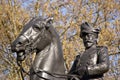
[{"x": 82, "y": 70}]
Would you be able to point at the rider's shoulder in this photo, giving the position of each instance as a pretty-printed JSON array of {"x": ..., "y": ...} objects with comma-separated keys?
[{"x": 102, "y": 47}]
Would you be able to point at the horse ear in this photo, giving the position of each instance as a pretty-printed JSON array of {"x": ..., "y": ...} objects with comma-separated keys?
[{"x": 49, "y": 21}]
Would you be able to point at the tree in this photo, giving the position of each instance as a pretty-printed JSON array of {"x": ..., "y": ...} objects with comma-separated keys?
[
  {"x": 12, "y": 18},
  {"x": 68, "y": 15}
]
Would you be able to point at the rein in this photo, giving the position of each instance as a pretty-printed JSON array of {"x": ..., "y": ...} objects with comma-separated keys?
[
  {"x": 23, "y": 71},
  {"x": 56, "y": 75}
]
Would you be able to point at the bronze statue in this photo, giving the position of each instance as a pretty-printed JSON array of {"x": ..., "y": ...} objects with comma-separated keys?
[
  {"x": 94, "y": 62},
  {"x": 40, "y": 36}
]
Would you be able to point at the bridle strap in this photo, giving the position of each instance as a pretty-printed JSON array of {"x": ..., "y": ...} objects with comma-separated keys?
[
  {"x": 19, "y": 63},
  {"x": 56, "y": 75}
]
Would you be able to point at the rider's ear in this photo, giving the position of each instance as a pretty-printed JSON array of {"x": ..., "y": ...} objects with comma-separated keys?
[{"x": 49, "y": 21}]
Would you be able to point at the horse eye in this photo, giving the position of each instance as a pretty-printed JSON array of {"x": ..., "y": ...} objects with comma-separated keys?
[{"x": 37, "y": 27}]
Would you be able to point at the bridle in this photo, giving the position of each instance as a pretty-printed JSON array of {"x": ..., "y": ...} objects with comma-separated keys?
[
  {"x": 31, "y": 48},
  {"x": 30, "y": 45}
]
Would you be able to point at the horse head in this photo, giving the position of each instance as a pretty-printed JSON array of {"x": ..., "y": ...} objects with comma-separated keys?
[{"x": 34, "y": 36}]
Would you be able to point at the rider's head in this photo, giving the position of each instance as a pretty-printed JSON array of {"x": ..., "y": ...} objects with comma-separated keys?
[{"x": 89, "y": 35}]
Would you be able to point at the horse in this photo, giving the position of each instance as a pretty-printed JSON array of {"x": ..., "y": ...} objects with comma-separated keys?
[{"x": 39, "y": 35}]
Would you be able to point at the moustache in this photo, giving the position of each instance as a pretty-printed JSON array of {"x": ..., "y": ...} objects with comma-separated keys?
[{"x": 88, "y": 41}]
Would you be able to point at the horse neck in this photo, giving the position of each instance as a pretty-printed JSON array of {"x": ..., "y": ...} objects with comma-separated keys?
[
  {"x": 54, "y": 35},
  {"x": 55, "y": 41}
]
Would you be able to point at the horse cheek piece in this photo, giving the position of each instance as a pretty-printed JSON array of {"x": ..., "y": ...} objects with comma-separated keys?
[
  {"x": 19, "y": 47},
  {"x": 39, "y": 35}
]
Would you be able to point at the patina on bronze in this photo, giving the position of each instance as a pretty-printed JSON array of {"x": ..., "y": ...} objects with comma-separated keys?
[
  {"x": 94, "y": 62},
  {"x": 39, "y": 35}
]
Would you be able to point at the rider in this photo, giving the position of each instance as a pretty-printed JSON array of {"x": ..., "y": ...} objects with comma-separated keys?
[{"x": 94, "y": 62}]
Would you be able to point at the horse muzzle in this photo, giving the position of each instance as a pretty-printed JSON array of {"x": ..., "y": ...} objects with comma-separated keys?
[{"x": 18, "y": 46}]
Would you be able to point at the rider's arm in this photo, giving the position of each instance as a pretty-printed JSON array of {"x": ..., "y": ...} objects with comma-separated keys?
[
  {"x": 103, "y": 63},
  {"x": 74, "y": 65}
]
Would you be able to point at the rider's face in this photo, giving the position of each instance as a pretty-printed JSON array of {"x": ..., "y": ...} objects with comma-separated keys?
[{"x": 89, "y": 39}]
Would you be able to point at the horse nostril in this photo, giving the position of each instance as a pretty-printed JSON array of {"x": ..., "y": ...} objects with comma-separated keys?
[{"x": 19, "y": 43}]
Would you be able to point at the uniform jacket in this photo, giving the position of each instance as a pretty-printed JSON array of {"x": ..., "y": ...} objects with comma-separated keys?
[{"x": 96, "y": 61}]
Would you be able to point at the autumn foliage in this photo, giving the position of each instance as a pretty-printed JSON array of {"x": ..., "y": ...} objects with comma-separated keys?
[{"x": 68, "y": 15}]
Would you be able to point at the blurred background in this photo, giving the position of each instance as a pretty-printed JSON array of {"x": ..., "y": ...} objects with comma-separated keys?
[{"x": 68, "y": 15}]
